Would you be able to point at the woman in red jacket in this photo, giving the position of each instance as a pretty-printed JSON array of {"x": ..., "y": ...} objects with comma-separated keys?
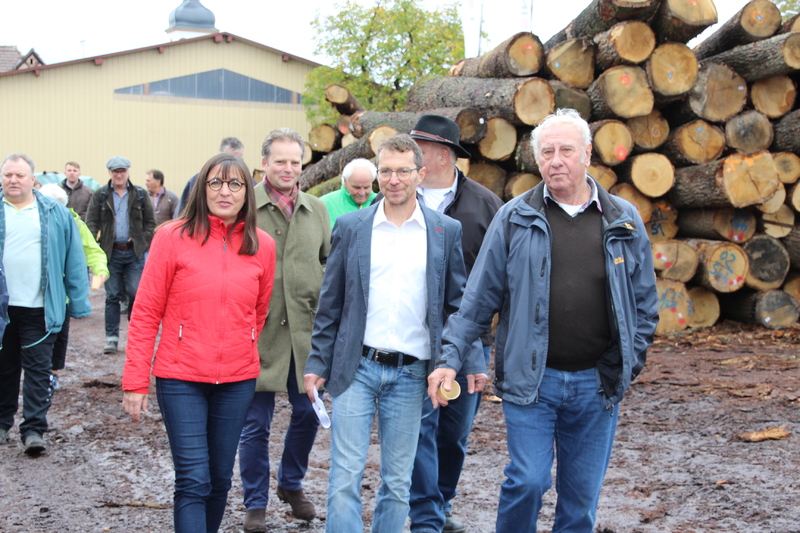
[{"x": 207, "y": 283}]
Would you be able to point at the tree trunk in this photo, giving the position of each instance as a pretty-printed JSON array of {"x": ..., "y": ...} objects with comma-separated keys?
[
  {"x": 674, "y": 260},
  {"x": 525, "y": 156},
  {"x": 348, "y": 139},
  {"x": 632, "y": 194},
  {"x": 343, "y": 123},
  {"x": 518, "y": 100},
  {"x": 341, "y": 99},
  {"x": 773, "y": 96},
  {"x": 679, "y": 20},
  {"x": 787, "y": 133},
  {"x": 718, "y": 94},
  {"x": 333, "y": 164},
  {"x": 601, "y": 15},
  {"x": 788, "y": 165},
  {"x": 324, "y": 138},
  {"x": 662, "y": 225},
  {"x": 673, "y": 306},
  {"x": 471, "y": 122},
  {"x": 738, "y": 181},
  {"x": 769, "y": 309},
  {"x": 500, "y": 140},
  {"x": 490, "y": 176},
  {"x": 672, "y": 71},
  {"x": 778, "y": 224},
  {"x": 757, "y": 20},
  {"x": 735, "y": 225},
  {"x": 520, "y": 55},
  {"x": 567, "y": 96},
  {"x": 606, "y": 177},
  {"x": 333, "y": 184},
  {"x": 769, "y": 262},
  {"x": 652, "y": 174},
  {"x": 611, "y": 141},
  {"x": 621, "y": 92},
  {"x": 308, "y": 153},
  {"x": 722, "y": 265},
  {"x": 749, "y": 132},
  {"x": 793, "y": 198},
  {"x": 793, "y": 24},
  {"x": 774, "y": 202},
  {"x": 763, "y": 59},
  {"x": 649, "y": 131},
  {"x": 572, "y": 62},
  {"x": 792, "y": 285},
  {"x": 626, "y": 43},
  {"x": 694, "y": 143},
  {"x": 520, "y": 183},
  {"x": 703, "y": 308},
  {"x": 792, "y": 244}
]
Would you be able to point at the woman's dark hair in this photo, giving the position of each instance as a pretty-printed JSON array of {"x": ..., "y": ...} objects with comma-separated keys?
[{"x": 195, "y": 214}]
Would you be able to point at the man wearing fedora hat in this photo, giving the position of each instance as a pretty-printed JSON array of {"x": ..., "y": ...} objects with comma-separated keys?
[
  {"x": 121, "y": 218},
  {"x": 443, "y": 433}
]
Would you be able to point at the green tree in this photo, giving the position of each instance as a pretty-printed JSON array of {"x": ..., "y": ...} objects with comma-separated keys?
[
  {"x": 378, "y": 52},
  {"x": 789, "y": 8}
]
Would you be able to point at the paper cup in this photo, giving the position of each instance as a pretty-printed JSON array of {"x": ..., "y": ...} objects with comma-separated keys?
[
  {"x": 452, "y": 394},
  {"x": 97, "y": 282}
]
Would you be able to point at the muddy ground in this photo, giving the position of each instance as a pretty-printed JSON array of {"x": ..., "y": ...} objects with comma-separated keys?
[{"x": 679, "y": 463}]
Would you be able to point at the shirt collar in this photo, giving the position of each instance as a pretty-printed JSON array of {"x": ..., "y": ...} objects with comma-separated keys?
[
  {"x": 380, "y": 216},
  {"x": 593, "y": 196}
]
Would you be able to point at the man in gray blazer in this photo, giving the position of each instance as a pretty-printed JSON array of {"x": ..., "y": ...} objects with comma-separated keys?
[{"x": 394, "y": 274}]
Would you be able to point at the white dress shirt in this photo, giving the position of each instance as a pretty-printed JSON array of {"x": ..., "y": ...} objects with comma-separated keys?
[{"x": 397, "y": 304}]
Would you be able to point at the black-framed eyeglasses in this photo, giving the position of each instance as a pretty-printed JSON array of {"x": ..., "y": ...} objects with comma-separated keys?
[
  {"x": 215, "y": 184},
  {"x": 385, "y": 174}
]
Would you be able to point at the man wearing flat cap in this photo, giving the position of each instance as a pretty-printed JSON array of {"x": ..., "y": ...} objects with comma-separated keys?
[
  {"x": 443, "y": 433},
  {"x": 121, "y": 218}
]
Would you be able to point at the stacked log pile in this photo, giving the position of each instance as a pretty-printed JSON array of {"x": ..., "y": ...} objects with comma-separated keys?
[{"x": 705, "y": 141}]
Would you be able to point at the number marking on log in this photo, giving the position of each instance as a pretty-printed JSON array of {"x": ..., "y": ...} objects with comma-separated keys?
[{"x": 669, "y": 300}]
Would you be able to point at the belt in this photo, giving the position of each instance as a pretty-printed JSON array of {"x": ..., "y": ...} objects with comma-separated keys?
[
  {"x": 388, "y": 358},
  {"x": 123, "y": 247}
]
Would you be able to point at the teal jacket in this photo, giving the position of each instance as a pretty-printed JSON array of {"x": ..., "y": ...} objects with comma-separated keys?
[
  {"x": 63, "y": 263},
  {"x": 341, "y": 202},
  {"x": 96, "y": 258}
]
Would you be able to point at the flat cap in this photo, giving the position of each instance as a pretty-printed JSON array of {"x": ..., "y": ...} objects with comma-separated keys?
[{"x": 118, "y": 162}]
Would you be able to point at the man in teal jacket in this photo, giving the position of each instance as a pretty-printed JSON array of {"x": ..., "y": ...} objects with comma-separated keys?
[
  {"x": 38, "y": 241},
  {"x": 356, "y": 191}
]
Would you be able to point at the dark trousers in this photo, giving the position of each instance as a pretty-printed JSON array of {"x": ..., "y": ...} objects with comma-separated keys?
[
  {"x": 125, "y": 270},
  {"x": 60, "y": 346},
  {"x": 27, "y": 346}
]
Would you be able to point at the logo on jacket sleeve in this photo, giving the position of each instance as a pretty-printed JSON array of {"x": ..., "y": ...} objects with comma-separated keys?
[{"x": 618, "y": 260}]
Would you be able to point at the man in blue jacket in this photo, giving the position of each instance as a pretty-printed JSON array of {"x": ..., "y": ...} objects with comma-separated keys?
[
  {"x": 394, "y": 273},
  {"x": 44, "y": 265},
  {"x": 569, "y": 269}
]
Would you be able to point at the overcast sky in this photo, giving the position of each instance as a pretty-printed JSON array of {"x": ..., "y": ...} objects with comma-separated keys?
[{"x": 62, "y": 30}]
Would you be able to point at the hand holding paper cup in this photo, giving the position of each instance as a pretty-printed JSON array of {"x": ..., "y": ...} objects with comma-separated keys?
[
  {"x": 452, "y": 394},
  {"x": 97, "y": 281}
]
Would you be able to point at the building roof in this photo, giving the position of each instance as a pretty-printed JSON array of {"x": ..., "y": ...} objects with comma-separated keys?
[
  {"x": 9, "y": 57},
  {"x": 216, "y": 37}
]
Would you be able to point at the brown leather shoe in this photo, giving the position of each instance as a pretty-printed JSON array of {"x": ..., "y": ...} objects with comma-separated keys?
[
  {"x": 302, "y": 508},
  {"x": 255, "y": 521}
]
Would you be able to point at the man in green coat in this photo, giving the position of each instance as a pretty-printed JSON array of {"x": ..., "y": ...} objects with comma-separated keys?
[
  {"x": 356, "y": 191},
  {"x": 300, "y": 225}
]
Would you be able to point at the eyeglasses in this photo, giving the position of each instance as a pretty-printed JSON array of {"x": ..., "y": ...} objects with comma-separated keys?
[
  {"x": 385, "y": 174},
  {"x": 215, "y": 184}
]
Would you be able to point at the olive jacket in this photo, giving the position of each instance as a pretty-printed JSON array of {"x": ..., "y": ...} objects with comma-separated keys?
[{"x": 302, "y": 247}]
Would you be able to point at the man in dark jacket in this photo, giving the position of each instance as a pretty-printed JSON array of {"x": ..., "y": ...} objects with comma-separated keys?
[
  {"x": 78, "y": 194},
  {"x": 121, "y": 218},
  {"x": 444, "y": 432},
  {"x": 569, "y": 268},
  {"x": 165, "y": 203}
]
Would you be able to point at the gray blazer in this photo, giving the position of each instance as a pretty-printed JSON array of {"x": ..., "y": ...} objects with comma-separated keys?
[{"x": 337, "y": 341}]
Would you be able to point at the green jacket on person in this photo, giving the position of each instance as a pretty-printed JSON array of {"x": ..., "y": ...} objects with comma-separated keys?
[{"x": 341, "y": 202}]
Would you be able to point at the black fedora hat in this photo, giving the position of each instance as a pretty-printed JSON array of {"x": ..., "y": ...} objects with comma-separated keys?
[{"x": 439, "y": 129}]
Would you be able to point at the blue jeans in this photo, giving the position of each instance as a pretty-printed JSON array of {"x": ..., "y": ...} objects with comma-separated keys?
[
  {"x": 254, "y": 444},
  {"x": 441, "y": 450},
  {"x": 123, "y": 268},
  {"x": 569, "y": 413},
  {"x": 396, "y": 394},
  {"x": 203, "y": 422}
]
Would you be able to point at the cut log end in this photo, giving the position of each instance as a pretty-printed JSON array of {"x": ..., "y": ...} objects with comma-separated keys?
[
  {"x": 673, "y": 306},
  {"x": 675, "y": 260},
  {"x": 704, "y": 308}
]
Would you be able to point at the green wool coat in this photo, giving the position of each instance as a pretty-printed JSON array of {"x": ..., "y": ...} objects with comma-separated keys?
[{"x": 302, "y": 247}]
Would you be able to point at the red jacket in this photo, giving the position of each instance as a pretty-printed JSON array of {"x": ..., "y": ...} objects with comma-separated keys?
[{"x": 211, "y": 302}]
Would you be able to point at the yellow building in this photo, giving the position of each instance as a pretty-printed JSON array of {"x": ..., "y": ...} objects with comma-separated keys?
[{"x": 165, "y": 107}]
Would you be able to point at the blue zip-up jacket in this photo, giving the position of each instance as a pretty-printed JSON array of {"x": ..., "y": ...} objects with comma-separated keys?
[
  {"x": 512, "y": 276},
  {"x": 3, "y": 304},
  {"x": 64, "y": 271}
]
